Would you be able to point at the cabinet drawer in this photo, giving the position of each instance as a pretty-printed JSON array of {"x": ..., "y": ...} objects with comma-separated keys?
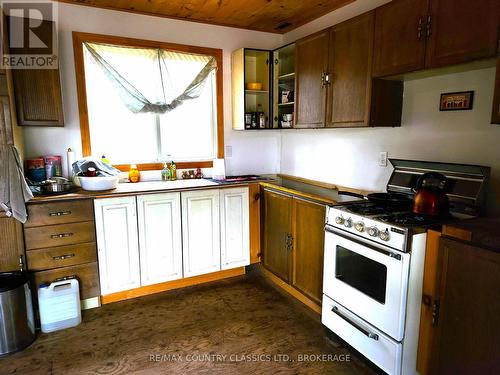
[
  {"x": 86, "y": 274},
  {"x": 59, "y": 235},
  {"x": 62, "y": 256},
  {"x": 59, "y": 213}
]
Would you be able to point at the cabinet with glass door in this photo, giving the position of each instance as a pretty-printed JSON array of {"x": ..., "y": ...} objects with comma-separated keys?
[
  {"x": 284, "y": 87},
  {"x": 251, "y": 86}
]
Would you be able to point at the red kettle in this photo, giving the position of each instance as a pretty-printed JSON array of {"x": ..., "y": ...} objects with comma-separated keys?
[{"x": 430, "y": 195}]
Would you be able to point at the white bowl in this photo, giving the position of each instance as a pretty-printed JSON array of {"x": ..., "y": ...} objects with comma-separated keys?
[{"x": 98, "y": 183}]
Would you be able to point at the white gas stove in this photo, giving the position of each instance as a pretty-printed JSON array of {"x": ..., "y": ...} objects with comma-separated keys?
[{"x": 374, "y": 264}]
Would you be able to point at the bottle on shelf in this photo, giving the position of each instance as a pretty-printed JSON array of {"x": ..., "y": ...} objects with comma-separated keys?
[
  {"x": 261, "y": 118},
  {"x": 134, "y": 175}
]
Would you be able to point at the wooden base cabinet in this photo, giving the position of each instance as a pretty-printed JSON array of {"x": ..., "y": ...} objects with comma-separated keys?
[
  {"x": 160, "y": 237},
  {"x": 277, "y": 229},
  {"x": 117, "y": 242},
  {"x": 294, "y": 242},
  {"x": 61, "y": 244},
  {"x": 11, "y": 244},
  {"x": 459, "y": 327}
]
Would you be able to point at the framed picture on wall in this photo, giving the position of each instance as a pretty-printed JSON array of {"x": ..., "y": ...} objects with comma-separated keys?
[{"x": 456, "y": 101}]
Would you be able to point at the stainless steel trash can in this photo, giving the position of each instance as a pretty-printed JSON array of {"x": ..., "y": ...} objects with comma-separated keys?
[{"x": 17, "y": 325}]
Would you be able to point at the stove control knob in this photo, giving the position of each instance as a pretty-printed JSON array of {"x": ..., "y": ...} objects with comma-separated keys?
[
  {"x": 373, "y": 231},
  {"x": 339, "y": 220},
  {"x": 348, "y": 223},
  {"x": 384, "y": 236},
  {"x": 360, "y": 226}
]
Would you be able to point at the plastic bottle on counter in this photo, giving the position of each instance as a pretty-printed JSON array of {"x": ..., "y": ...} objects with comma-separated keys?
[
  {"x": 165, "y": 173},
  {"x": 105, "y": 160},
  {"x": 134, "y": 175},
  {"x": 173, "y": 171}
]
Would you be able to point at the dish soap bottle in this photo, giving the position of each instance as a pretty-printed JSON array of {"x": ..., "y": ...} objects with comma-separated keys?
[
  {"x": 165, "y": 172},
  {"x": 173, "y": 171},
  {"x": 134, "y": 175},
  {"x": 105, "y": 160}
]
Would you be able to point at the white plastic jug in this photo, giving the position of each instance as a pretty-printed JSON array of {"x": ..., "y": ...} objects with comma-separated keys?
[{"x": 59, "y": 305}]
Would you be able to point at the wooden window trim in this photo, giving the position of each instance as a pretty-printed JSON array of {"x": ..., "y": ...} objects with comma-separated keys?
[{"x": 79, "y": 38}]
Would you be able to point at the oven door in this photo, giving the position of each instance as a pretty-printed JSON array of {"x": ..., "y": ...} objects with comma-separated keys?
[{"x": 368, "y": 279}]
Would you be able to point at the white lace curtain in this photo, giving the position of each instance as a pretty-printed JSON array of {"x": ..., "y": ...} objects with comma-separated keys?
[{"x": 150, "y": 80}]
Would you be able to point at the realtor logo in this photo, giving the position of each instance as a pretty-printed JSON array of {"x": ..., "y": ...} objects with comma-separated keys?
[{"x": 29, "y": 35}]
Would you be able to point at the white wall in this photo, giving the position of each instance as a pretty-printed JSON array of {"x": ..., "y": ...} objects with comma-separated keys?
[
  {"x": 348, "y": 157},
  {"x": 254, "y": 152}
]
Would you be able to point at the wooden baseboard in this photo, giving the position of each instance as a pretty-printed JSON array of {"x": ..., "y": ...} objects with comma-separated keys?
[
  {"x": 290, "y": 290},
  {"x": 169, "y": 285}
]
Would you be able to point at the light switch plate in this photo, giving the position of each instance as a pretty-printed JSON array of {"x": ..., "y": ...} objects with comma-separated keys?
[
  {"x": 382, "y": 159},
  {"x": 229, "y": 151}
]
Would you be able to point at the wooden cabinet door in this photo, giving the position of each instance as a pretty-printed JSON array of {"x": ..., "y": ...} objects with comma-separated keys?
[
  {"x": 351, "y": 45},
  {"x": 467, "y": 337},
  {"x": 399, "y": 45},
  {"x": 495, "y": 112},
  {"x": 308, "y": 245},
  {"x": 38, "y": 91},
  {"x": 462, "y": 30},
  {"x": 200, "y": 232},
  {"x": 235, "y": 228},
  {"x": 117, "y": 244},
  {"x": 310, "y": 93},
  {"x": 160, "y": 237},
  {"x": 277, "y": 229},
  {"x": 11, "y": 244}
]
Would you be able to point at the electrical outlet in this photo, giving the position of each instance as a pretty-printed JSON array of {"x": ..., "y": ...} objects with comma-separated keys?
[
  {"x": 229, "y": 151},
  {"x": 382, "y": 159}
]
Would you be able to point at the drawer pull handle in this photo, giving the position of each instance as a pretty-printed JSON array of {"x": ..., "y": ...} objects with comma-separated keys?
[
  {"x": 64, "y": 278},
  {"x": 61, "y": 235},
  {"x": 60, "y": 213},
  {"x": 367, "y": 333},
  {"x": 62, "y": 257}
]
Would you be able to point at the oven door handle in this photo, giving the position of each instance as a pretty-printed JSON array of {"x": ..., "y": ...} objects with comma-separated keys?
[
  {"x": 362, "y": 241},
  {"x": 367, "y": 333}
]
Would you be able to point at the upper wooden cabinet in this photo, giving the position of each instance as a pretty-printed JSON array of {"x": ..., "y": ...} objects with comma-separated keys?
[
  {"x": 38, "y": 93},
  {"x": 350, "y": 66},
  {"x": 334, "y": 81},
  {"x": 461, "y": 31},
  {"x": 417, "y": 34},
  {"x": 400, "y": 34},
  {"x": 311, "y": 67}
]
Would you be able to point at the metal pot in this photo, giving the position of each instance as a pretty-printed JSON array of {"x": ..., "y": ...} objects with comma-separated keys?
[
  {"x": 55, "y": 185},
  {"x": 430, "y": 195}
]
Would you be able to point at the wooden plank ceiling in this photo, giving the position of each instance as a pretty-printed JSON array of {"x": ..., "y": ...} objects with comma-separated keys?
[{"x": 276, "y": 16}]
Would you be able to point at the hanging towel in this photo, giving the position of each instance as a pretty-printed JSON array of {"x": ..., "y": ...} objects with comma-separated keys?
[{"x": 14, "y": 190}]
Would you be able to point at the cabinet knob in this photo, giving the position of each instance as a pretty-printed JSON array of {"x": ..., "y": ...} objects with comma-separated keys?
[{"x": 256, "y": 197}]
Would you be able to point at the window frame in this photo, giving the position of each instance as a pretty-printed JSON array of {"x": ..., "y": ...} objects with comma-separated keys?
[{"x": 79, "y": 38}]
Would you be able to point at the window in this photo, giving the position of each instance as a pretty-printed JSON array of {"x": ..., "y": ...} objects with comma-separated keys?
[{"x": 191, "y": 133}]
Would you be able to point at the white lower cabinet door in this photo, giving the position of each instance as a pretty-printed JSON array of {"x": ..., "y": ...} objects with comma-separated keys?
[
  {"x": 160, "y": 237},
  {"x": 118, "y": 248},
  {"x": 235, "y": 228},
  {"x": 200, "y": 232}
]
